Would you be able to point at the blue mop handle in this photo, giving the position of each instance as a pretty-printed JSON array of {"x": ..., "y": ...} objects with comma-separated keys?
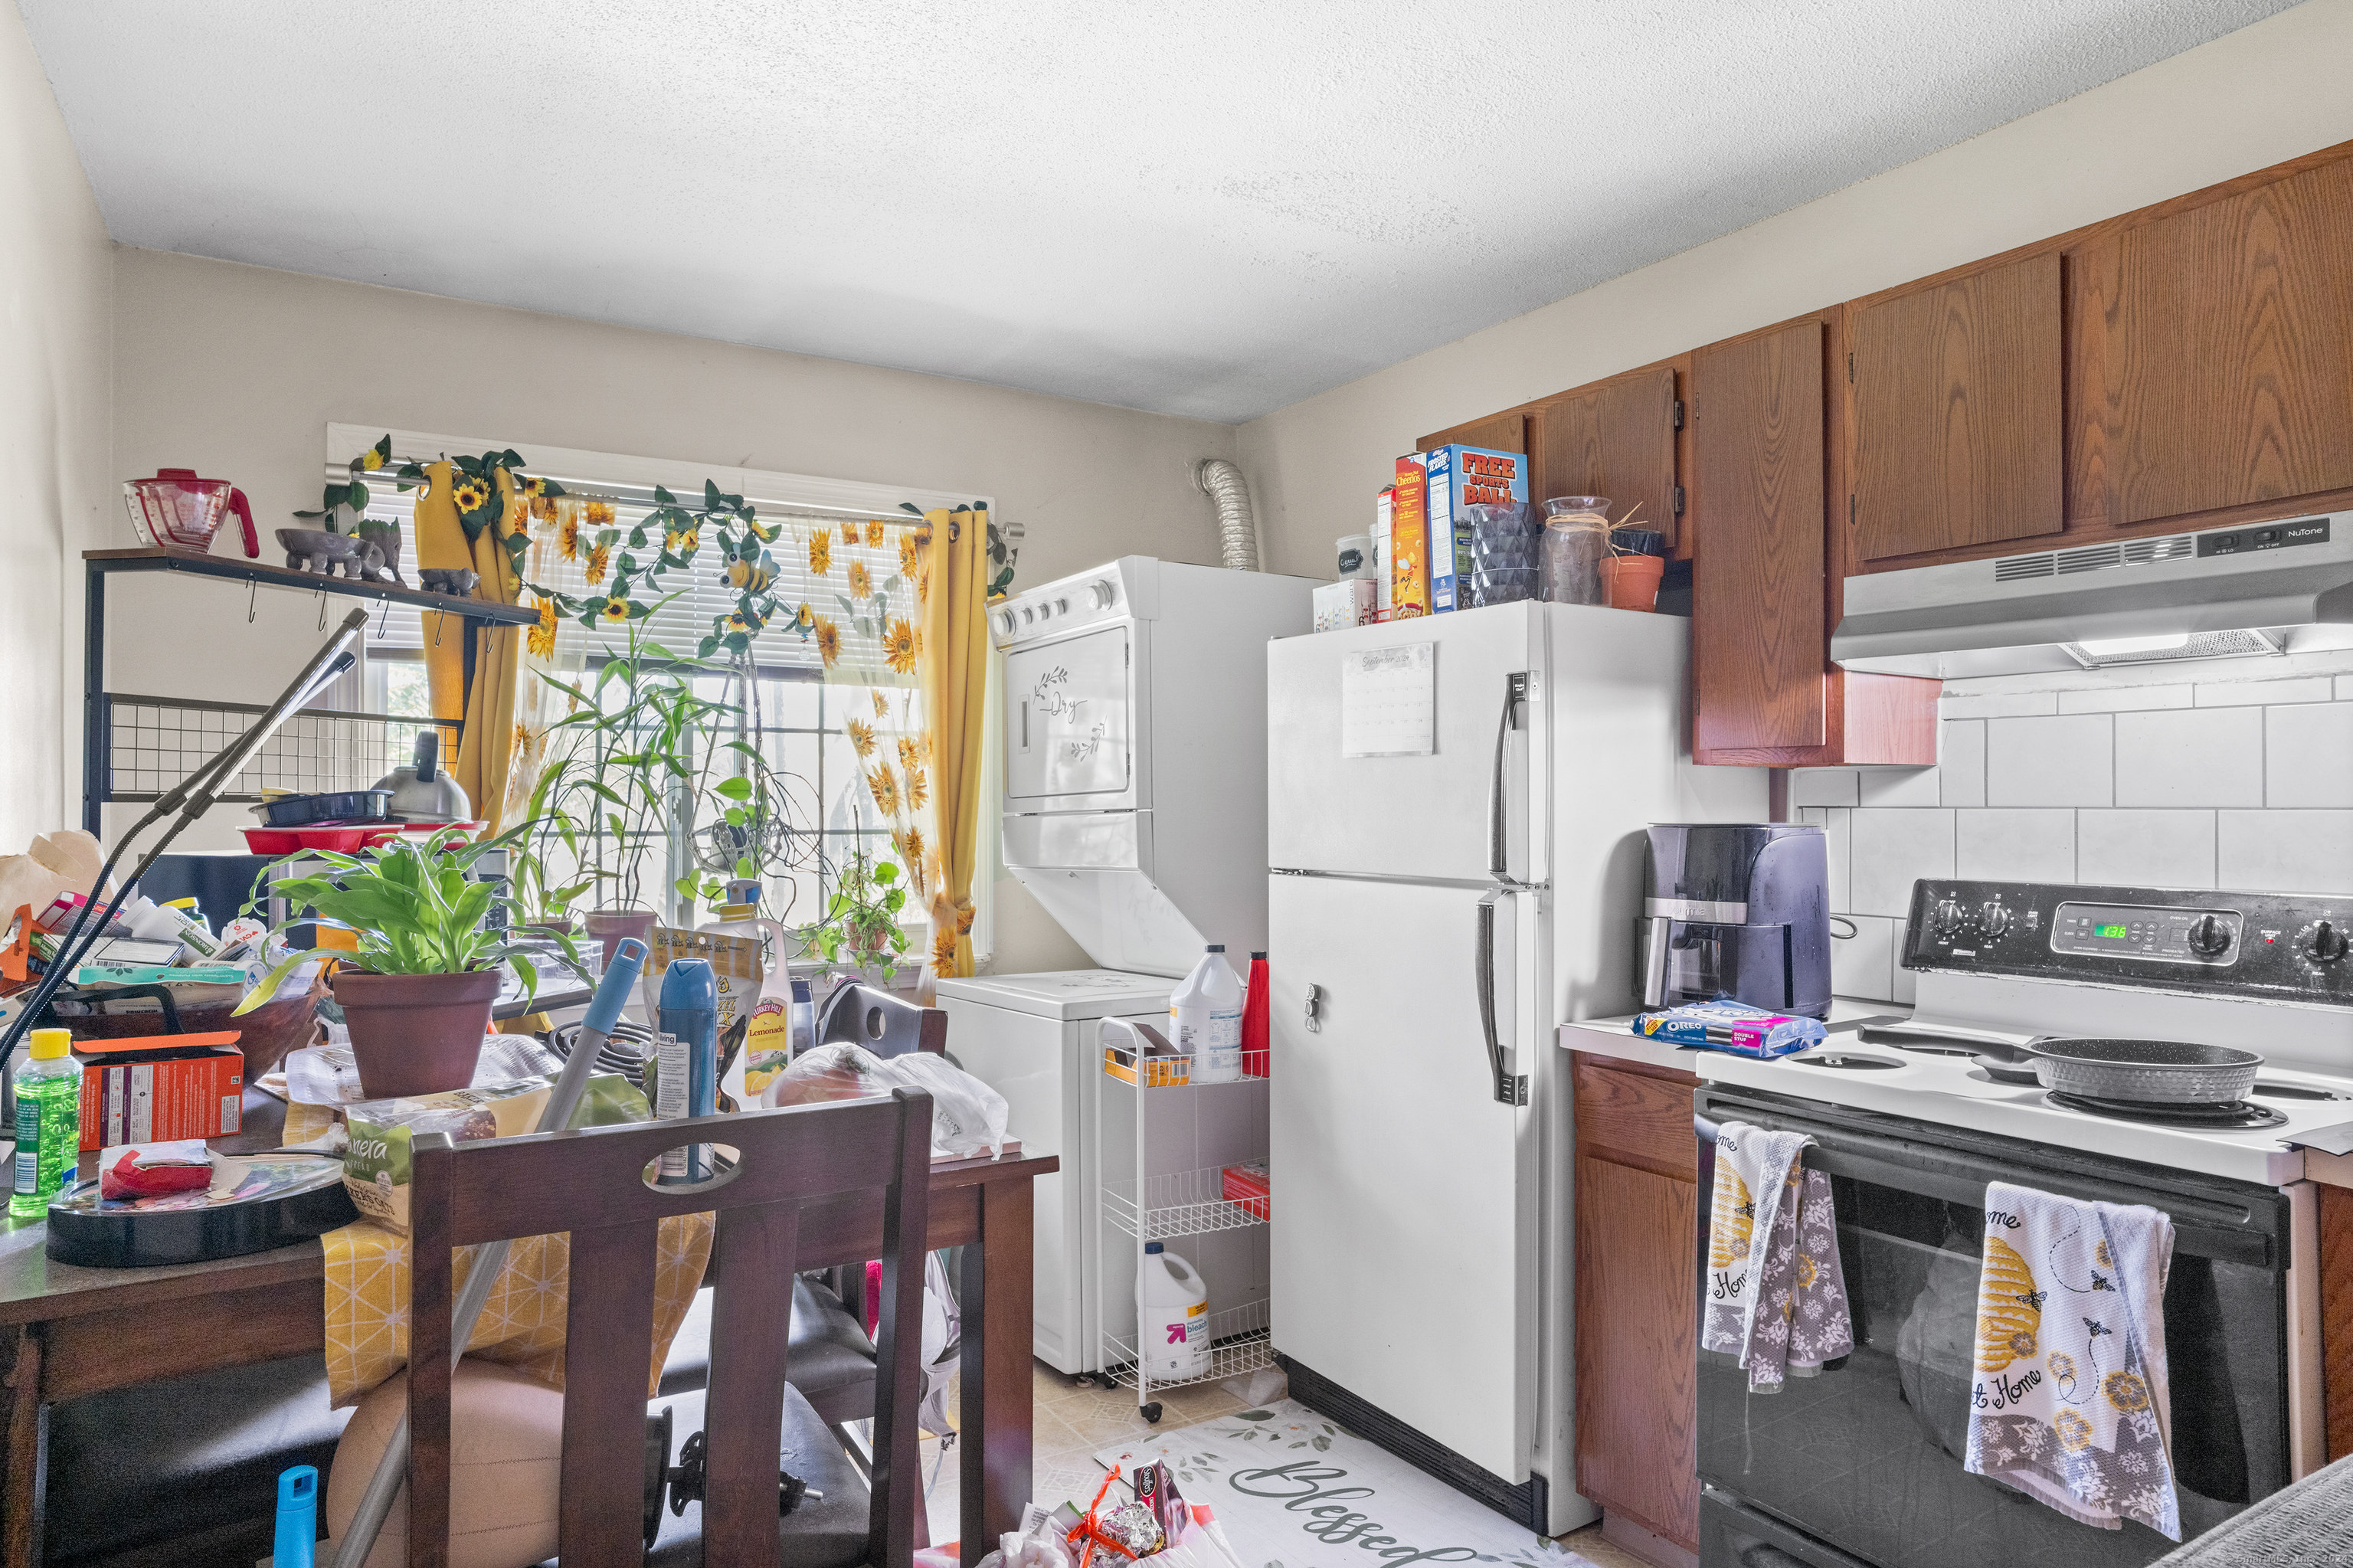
[{"x": 296, "y": 1542}]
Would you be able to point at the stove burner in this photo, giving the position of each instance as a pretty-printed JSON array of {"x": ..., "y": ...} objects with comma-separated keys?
[
  {"x": 1851, "y": 1063},
  {"x": 2279, "y": 1091},
  {"x": 2227, "y": 1113}
]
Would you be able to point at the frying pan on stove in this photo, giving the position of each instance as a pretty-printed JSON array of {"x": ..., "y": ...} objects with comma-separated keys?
[{"x": 2161, "y": 1072}]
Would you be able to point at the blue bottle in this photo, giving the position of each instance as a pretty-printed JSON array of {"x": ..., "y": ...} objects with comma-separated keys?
[
  {"x": 297, "y": 1518},
  {"x": 688, "y": 1011}
]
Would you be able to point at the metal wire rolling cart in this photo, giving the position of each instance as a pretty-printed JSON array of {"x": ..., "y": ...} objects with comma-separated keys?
[
  {"x": 1161, "y": 1206},
  {"x": 135, "y": 747}
]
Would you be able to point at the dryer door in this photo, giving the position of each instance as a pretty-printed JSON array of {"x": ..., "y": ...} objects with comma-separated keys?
[{"x": 1069, "y": 720}]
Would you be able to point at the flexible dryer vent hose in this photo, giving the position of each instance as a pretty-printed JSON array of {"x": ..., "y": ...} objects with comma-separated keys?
[{"x": 1237, "y": 530}]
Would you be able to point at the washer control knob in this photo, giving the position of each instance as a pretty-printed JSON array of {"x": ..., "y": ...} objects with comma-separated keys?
[
  {"x": 2327, "y": 944},
  {"x": 2209, "y": 938},
  {"x": 1006, "y": 623},
  {"x": 1995, "y": 919},
  {"x": 1100, "y": 595},
  {"x": 1944, "y": 920}
]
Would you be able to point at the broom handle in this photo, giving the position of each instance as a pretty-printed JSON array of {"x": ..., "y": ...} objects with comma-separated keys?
[{"x": 490, "y": 1258}]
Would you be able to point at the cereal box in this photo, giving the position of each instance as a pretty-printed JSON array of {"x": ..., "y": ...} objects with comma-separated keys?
[
  {"x": 1409, "y": 553},
  {"x": 1461, "y": 477}
]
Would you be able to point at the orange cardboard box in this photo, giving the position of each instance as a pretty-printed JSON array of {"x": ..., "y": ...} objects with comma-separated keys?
[
  {"x": 152, "y": 1088},
  {"x": 1409, "y": 563}
]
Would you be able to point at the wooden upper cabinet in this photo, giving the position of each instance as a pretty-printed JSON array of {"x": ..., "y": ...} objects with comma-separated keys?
[
  {"x": 1957, "y": 417},
  {"x": 2211, "y": 354},
  {"x": 1614, "y": 438},
  {"x": 1506, "y": 433},
  {"x": 1758, "y": 633}
]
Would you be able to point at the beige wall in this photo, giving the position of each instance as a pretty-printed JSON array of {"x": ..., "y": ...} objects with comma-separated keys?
[
  {"x": 55, "y": 274},
  {"x": 2270, "y": 92},
  {"x": 237, "y": 370}
]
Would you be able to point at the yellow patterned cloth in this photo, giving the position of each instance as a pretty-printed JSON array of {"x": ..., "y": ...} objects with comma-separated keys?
[{"x": 522, "y": 1324}]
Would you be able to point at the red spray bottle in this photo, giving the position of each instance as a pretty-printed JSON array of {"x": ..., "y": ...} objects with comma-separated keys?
[{"x": 1255, "y": 1005}]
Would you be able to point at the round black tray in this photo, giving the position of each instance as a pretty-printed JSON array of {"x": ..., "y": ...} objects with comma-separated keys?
[{"x": 126, "y": 1237}]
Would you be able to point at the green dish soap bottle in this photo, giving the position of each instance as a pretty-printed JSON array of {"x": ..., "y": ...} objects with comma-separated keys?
[{"x": 48, "y": 1123}]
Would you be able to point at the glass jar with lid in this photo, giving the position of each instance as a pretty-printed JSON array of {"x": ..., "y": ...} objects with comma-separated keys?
[{"x": 1576, "y": 543}]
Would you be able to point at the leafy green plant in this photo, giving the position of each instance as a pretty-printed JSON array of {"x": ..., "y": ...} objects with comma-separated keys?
[
  {"x": 416, "y": 908},
  {"x": 861, "y": 921}
]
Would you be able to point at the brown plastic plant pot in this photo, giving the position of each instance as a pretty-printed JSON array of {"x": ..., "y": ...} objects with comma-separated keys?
[
  {"x": 612, "y": 927},
  {"x": 415, "y": 1034}
]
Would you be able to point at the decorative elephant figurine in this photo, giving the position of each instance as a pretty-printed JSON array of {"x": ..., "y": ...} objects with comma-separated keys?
[
  {"x": 456, "y": 580},
  {"x": 316, "y": 550}
]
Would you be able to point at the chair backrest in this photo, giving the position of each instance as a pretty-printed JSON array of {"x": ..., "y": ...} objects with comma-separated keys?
[
  {"x": 885, "y": 1025},
  {"x": 827, "y": 1165}
]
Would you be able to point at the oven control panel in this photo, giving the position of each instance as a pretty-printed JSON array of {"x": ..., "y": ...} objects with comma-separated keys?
[{"x": 2288, "y": 946}]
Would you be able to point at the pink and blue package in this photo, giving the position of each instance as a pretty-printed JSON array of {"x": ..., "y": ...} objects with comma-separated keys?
[{"x": 1732, "y": 1027}]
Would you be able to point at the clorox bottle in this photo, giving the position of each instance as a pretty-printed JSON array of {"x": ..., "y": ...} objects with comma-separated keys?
[
  {"x": 1172, "y": 1314},
  {"x": 1205, "y": 1019}
]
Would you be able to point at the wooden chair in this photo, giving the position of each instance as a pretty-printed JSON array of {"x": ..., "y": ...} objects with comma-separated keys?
[
  {"x": 885, "y": 1025},
  {"x": 801, "y": 1164}
]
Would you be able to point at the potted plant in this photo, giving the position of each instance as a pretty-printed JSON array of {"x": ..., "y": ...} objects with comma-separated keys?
[
  {"x": 862, "y": 922},
  {"x": 417, "y": 994}
]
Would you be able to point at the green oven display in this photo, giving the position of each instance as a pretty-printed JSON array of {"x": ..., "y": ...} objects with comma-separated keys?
[{"x": 2114, "y": 933}]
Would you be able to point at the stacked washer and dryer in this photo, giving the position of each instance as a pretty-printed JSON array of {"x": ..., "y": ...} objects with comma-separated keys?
[{"x": 1135, "y": 747}]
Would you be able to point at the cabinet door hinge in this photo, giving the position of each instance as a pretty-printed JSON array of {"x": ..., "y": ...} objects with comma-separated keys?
[
  {"x": 1679, "y": 500},
  {"x": 1849, "y": 509},
  {"x": 1679, "y": 413},
  {"x": 1850, "y": 370}
]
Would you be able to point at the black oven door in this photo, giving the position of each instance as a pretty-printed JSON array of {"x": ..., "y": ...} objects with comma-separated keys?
[{"x": 1866, "y": 1458}]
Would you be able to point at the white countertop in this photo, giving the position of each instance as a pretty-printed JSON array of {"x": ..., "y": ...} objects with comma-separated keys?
[{"x": 1616, "y": 1037}]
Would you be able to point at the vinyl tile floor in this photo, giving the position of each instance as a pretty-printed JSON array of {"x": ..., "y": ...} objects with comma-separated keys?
[{"x": 1072, "y": 1422}]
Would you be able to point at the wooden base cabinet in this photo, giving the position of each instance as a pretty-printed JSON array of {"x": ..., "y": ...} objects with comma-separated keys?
[{"x": 1637, "y": 1184}]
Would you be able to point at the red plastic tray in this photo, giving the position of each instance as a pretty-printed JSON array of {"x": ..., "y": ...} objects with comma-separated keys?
[{"x": 341, "y": 838}]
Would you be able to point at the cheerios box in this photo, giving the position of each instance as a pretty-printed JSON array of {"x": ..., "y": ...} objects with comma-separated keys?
[{"x": 1462, "y": 477}]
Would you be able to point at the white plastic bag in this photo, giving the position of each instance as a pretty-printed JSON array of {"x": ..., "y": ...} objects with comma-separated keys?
[{"x": 967, "y": 1116}]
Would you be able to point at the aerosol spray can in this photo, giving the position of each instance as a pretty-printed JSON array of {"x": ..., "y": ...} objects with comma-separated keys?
[{"x": 687, "y": 1047}]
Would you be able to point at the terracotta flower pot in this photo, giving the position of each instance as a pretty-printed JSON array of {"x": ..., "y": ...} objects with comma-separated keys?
[
  {"x": 415, "y": 1034},
  {"x": 612, "y": 927},
  {"x": 1631, "y": 582}
]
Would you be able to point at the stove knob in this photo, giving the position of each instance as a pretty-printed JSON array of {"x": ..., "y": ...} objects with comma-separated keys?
[
  {"x": 1945, "y": 921},
  {"x": 1995, "y": 919},
  {"x": 2209, "y": 937},
  {"x": 2326, "y": 944}
]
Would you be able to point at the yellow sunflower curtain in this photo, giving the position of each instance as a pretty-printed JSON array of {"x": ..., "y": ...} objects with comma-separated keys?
[
  {"x": 878, "y": 610},
  {"x": 471, "y": 670}
]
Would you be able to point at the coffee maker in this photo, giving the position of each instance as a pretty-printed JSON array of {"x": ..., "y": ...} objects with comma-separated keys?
[{"x": 1736, "y": 911}]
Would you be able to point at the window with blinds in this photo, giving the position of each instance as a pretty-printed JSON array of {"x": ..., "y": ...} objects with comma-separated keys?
[{"x": 796, "y": 714}]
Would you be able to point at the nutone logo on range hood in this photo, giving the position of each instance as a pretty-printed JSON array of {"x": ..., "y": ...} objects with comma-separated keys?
[{"x": 2260, "y": 590}]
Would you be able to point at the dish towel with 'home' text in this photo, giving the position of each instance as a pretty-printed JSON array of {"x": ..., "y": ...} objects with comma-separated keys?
[
  {"x": 2068, "y": 1401},
  {"x": 1775, "y": 1296}
]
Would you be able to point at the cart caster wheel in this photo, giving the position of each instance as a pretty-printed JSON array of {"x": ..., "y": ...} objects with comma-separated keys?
[{"x": 1151, "y": 1412}]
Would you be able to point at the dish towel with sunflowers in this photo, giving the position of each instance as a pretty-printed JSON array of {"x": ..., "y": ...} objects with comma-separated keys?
[
  {"x": 1775, "y": 1295},
  {"x": 2068, "y": 1403}
]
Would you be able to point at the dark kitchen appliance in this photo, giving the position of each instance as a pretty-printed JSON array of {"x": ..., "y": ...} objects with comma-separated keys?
[
  {"x": 1863, "y": 1464},
  {"x": 1738, "y": 910}
]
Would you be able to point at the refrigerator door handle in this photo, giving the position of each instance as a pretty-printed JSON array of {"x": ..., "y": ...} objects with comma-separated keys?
[
  {"x": 1510, "y": 1089},
  {"x": 1499, "y": 859}
]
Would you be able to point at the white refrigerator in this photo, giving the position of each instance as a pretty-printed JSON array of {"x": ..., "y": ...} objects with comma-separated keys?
[{"x": 1455, "y": 814}]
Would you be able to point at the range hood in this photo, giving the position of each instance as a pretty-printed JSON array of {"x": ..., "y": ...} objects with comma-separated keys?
[{"x": 2259, "y": 590}]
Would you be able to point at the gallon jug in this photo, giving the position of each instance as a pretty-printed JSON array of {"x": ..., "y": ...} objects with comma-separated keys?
[
  {"x": 768, "y": 1030},
  {"x": 1172, "y": 1316},
  {"x": 1205, "y": 1019}
]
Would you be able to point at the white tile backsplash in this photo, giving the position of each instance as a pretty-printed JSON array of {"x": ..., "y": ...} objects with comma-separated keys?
[
  {"x": 1823, "y": 787},
  {"x": 1863, "y": 964},
  {"x": 2123, "y": 699},
  {"x": 1901, "y": 787},
  {"x": 1961, "y": 762},
  {"x": 2148, "y": 777},
  {"x": 1999, "y": 705},
  {"x": 2309, "y": 757},
  {"x": 1890, "y": 849},
  {"x": 2030, "y": 845},
  {"x": 2262, "y": 693},
  {"x": 2284, "y": 851},
  {"x": 2063, "y": 760},
  {"x": 2198, "y": 756},
  {"x": 2145, "y": 849}
]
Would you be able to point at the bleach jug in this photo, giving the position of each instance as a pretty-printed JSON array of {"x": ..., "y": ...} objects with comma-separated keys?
[
  {"x": 1172, "y": 1317},
  {"x": 1205, "y": 1019}
]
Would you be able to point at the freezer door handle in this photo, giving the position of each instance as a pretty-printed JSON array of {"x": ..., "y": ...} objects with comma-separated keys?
[
  {"x": 1511, "y": 1089},
  {"x": 1499, "y": 859}
]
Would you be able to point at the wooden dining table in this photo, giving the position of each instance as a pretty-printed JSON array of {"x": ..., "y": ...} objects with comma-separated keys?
[{"x": 67, "y": 1330}]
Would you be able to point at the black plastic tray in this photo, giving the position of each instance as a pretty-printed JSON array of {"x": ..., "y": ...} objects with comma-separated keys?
[
  {"x": 127, "y": 1238},
  {"x": 338, "y": 806}
]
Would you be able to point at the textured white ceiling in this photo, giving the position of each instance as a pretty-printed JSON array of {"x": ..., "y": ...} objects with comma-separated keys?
[{"x": 1210, "y": 208}]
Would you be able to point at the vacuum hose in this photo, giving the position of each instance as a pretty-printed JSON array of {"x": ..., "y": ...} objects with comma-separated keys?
[{"x": 1237, "y": 531}]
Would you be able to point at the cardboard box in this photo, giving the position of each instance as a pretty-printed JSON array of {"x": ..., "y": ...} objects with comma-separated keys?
[
  {"x": 1383, "y": 589},
  {"x": 1460, "y": 477},
  {"x": 154, "y": 1088},
  {"x": 1250, "y": 1186},
  {"x": 1409, "y": 585},
  {"x": 1348, "y": 602}
]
